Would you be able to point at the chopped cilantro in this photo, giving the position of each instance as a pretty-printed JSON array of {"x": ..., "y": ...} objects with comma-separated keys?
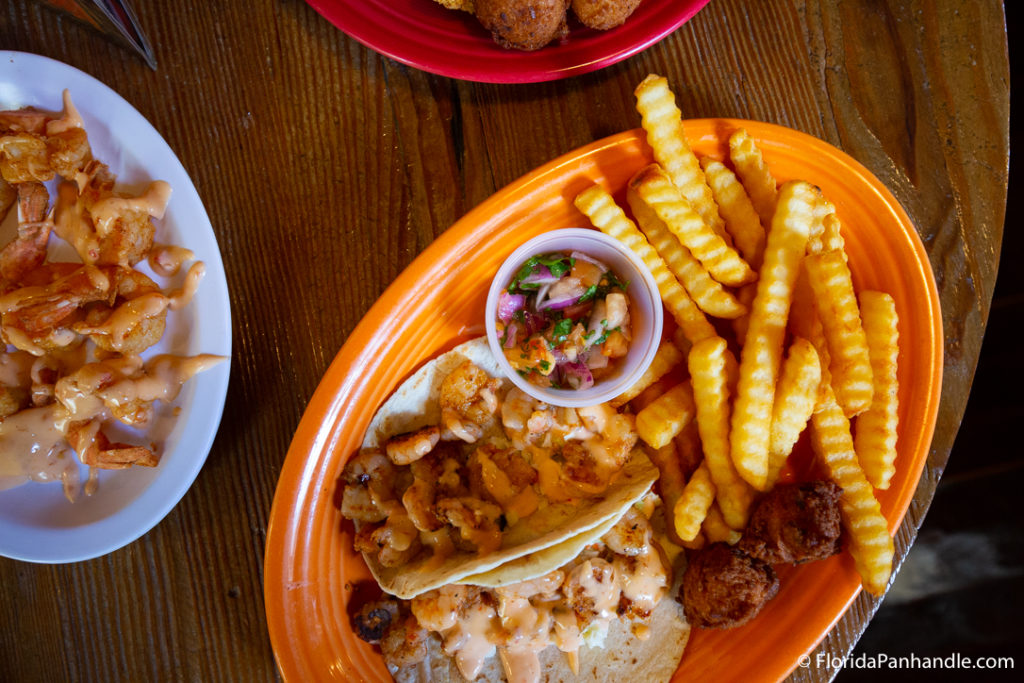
[
  {"x": 544, "y": 365},
  {"x": 562, "y": 329}
]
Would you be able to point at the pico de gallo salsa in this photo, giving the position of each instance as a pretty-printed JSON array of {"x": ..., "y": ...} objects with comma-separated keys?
[{"x": 563, "y": 320}]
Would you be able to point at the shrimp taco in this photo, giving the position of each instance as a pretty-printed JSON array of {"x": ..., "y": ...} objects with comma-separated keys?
[
  {"x": 514, "y": 536},
  {"x": 604, "y": 613},
  {"x": 460, "y": 472}
]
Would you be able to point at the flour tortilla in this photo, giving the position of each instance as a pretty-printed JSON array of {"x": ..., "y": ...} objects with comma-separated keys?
[
  {"x": 623, "y": 657},
  {"x": 414, "y": 405}
]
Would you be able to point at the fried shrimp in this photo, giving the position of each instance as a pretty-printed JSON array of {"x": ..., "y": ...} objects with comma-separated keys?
[
  {"x": 27, "y": 250},
  {"x": 134, "y": 321},
  {"x": 468, "y": 403}
]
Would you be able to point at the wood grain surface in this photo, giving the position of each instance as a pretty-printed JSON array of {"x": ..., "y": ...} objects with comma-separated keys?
[{"x": 326, "y": 168}]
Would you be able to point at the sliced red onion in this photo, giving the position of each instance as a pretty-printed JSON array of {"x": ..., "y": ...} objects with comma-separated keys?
[
  {"x": 542, "y": 295},
  {"x": 562, "y": 295},
  {"x": 511, "y": 335},
  {"x": 577, "y": 375},
  {"x": 540, "y": 276},
  {"x": 590, "y": 259},
  {"x": 508, "y": 304}
]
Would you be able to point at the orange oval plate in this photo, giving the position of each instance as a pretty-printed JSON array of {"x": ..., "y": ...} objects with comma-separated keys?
[{"x": 311, "y": 572}]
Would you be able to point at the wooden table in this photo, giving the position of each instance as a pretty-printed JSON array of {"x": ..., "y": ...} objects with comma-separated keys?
[{"x": 313, "y": 153}]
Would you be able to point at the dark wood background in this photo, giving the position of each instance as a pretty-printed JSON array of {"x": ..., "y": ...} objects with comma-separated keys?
[{"x": 326, "y": 168}]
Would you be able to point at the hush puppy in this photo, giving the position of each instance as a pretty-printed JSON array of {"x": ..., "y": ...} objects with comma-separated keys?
[
  {"x": 603, "y": 14},
  {"x": 524, "y": 24}
]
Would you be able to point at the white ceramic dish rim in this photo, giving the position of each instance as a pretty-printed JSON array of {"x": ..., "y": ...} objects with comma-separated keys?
[
  {"x": 36, "y": 523},
  {"x": 646, "y": 296}
]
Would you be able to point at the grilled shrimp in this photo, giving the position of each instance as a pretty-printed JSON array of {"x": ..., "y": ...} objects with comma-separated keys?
[
  {"x": 592, "y": 590},
  {"x": 438, "y": 610},
  {"x": 468, "y": 402},
  {"x": 476, "y": 520},
  {"x": 368, "y": 477},
  {"x": 404, "y": 644},
  {"x": 398, "y": 540},
  {"x": 631, "y": 535},
  {"x": 404, "y": 449}
]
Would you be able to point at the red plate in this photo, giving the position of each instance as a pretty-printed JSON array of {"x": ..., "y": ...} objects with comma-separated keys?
[
  {"x": 311, "y": 571},
  {"x": 425, "y": 35}
]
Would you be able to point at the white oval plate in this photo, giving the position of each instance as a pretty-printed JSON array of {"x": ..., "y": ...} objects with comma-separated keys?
[{"x": 37, "y": 523}]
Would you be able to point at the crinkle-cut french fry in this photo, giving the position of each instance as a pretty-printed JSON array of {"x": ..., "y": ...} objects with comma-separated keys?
[
  {"x": 609, "y": 218},
  {"x": 692, "y": 507},
  {"x": 658, "y": 423},
  {"x": 666, "y": 358},
  {"x": 758, "y": 181},
  {"x": 875, "y": 433},
  {"x": 671, "y": 482},
  {"x": 870, "y": 542},
  {"x": 681, "y": 341},
  {"x": 716, "y": 530},
  {"x": 657, "y": 190},
  {"x": 706, "y": 292},
  {"x": 816, "y": 242},
  {"x": 656, "y": 389},
  {"x": 836, "y": 303},
  {"x": 829, "y": 238},
  {"x": 741, "y": 220},
  {"x": 689, "y": 449},
  {"x": 709, "y": 374},
  {"x": 663, "y": 122},
  {"x": 804, "y": 322},
  {"x": 745, "y": 295},
  {"x": 795, "y": 398},
  {"x": 762, "y": 347}
]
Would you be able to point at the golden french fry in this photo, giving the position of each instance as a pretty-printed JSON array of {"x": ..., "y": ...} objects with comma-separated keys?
[
  {"x": 663, "y": 122},
  {"x": 716, "y": 530},
  {"x": 795, "y": 398},
  {"x": 689, "y": 448},
  {"x": 692, "y": 507},
  {"x": 666, "y": 358},
  {"x": 875, "y": 437},
  {"x": 709, "y": 374},
  {"x": 656, "y": 389},
  {"x": 762, "y": 348},
  {"x": 609, "y": 218},
  {"x": 706, "y": 292},
  {"x": 836, "y": 303},
  {"x": 804, "y": 322},
  {"x": 741, "y": 220},
  {"x": 653, "y": 185},
  {"x": 758, "y": 181},
  {"x": 658, "y": 423},
  {"x": 825, "y": 231},
  {"x": 671, "y": 483},
  {"x": 870, "y": 542},
  {"x": 681, "y": 341},
  {"x": 745, "y": 295}
]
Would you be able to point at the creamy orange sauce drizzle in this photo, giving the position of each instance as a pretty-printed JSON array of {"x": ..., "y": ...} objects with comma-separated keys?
[
  {"x": 181, "y": 297},
  {"x": 33, "y": 449},
  {"x": 533, "y": 614},
  {"x": 166, "y": 259},
  {"x": 68, "y": 120},
  {"x": 152, "y": 201}
]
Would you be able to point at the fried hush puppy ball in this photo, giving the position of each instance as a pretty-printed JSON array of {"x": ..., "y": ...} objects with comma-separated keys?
[
  {"x": 603, "y": 14},
  {"x": 724, "y": 587},
  {"x": 524, "y": 24},
  {"x": 795, "y": 523}
]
